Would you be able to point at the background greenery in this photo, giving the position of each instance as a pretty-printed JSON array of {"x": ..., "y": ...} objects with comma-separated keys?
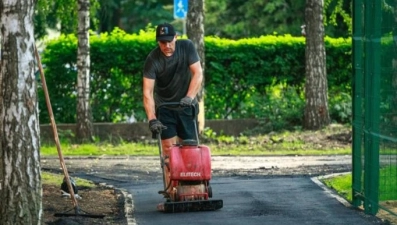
[
  {"x": 234, "y": 19},
  {"x": 260, "y": 77}
]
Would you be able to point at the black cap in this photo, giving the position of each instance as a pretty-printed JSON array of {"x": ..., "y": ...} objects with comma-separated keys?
[{"x": 165, "y": 32}]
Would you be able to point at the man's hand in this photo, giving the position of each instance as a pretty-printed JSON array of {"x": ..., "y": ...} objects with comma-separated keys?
[
  {"x": 156, "y": 126},
  {"x": 186, "y": 101}
]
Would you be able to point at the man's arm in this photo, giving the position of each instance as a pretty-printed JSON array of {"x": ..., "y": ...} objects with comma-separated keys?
[
  {"x": 197, "y": 79},
  {"x": 148, "y": 100}
]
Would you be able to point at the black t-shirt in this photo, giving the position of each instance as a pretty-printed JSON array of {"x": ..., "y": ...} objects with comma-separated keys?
[{"x": 172, "y": 74}]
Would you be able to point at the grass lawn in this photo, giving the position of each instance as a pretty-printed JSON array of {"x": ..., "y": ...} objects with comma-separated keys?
[
  {"x": 387, "y": 184},
  {"x": 56, "y": 179},
  {"x": 334, "y": 139},
  {"x": 139, "y": 149}
]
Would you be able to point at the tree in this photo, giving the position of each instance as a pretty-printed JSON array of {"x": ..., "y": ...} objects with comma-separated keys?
[
  {"x": 316, "y": 113},
  {"x": 84, "y": 117},
  {"x": 228, "y": 19},
  {"x": 195, "y": 32},
  {"x": 133, "y": 15},
  {"x": 109, "y": 15},
  {"x": 241, "y": 18},
  {"x": 60, "y": 15},
  {"x": 20, "y": 178},
  {"x": 337, "y": 18}
]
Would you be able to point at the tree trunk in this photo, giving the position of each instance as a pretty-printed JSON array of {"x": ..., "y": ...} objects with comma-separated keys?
[
  {"x": 84, "y": 117},
  {"x": 316, "y": 86},
  {"x": 195, "y": 32},
  {"x": 20, "y": 178}
]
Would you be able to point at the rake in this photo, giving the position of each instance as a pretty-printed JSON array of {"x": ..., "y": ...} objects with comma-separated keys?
[{"x": 75, "y": 211}]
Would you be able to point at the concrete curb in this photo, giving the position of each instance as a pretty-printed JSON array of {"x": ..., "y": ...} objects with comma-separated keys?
[
  {"x": 128, "y": 204},
  {"x": 329, "y": 191},
  {"x": 129, "y": 207}
]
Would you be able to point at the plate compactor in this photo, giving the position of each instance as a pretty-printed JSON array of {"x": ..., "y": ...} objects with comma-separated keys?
[{"x": 186, "y": 171}]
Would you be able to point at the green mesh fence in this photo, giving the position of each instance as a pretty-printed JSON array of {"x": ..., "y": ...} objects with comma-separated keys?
[{"x": 375, "y": 105}]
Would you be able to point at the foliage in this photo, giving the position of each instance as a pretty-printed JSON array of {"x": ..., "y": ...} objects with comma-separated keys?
[
  {"x": 340, "y": 107},
  {"x": 133, "y": 15},
  {"x": 246, "y": 68},
  {"x": 60, "y": 15},
  {"x": 228, "y": 19},
  {"x": 260, "y": 77},
  {"x": 59, "y": 60},
  {"x": 115, "y": 76},
  {"x": 281, "y": 108},
  {"x": 240, "y": 18},
  {"x": 337, "y": 18}
]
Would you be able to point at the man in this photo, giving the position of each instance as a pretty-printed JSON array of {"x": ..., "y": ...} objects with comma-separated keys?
[{"x": 172, "y": 73}]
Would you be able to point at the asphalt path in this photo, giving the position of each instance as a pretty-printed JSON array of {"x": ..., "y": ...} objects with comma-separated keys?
[
  {"x": 255, "y": 201},
  {"x": 270, "y": 196}
]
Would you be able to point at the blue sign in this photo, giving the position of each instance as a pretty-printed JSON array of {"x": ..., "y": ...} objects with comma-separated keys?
[{"x": 180, "y": 9}]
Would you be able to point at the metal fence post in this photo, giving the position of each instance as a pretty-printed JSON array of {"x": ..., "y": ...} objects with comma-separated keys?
[
  {"x": 372, "y": 100},
  {"x": 358, "y": 123}
]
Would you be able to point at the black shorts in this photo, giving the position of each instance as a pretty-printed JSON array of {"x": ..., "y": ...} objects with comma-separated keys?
[{"x": 179, "y": 121}]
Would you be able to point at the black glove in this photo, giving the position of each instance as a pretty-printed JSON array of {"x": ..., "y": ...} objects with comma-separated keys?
[
  {"x": 156, "y": 126},
  {"x": 186, "y": 101}
]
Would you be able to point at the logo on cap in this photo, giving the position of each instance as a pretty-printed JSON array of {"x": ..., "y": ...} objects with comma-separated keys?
[{"x": 164, "y": 31}]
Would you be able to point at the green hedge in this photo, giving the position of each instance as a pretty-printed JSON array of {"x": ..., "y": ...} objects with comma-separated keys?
[{"x": 238, "y": 74}]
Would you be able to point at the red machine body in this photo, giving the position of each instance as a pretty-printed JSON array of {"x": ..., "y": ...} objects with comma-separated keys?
[
  {"x": 187, "y": 172},
  {"x": 190, "y": 163}
]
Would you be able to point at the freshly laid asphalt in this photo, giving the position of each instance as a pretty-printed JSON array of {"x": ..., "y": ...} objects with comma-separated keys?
[
  {"x": 248, "y": 200},
  {"x": 282, "y": 201}
]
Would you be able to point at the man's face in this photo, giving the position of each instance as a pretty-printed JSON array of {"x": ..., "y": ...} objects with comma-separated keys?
[{"x": 167, "y": 48}]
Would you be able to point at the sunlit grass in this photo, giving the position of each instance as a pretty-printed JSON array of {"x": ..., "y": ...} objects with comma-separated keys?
[
  {"x": 342, "y": 184},
  {"x": 296, "y": 142},
  {"x": 100, "y": 149},
  {"x": 57, "y": 179},
  {"x": 139, "y": 149}
]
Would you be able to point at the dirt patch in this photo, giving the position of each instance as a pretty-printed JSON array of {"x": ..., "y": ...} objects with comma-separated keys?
[
  {"x": 97, "y": 201},
  {"x": 387, "y": 216}
]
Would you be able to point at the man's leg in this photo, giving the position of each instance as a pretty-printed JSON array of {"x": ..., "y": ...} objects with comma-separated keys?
[
  {"x": 166, "y": 146},
  {"x": 187, "y": 123},
  {"x": 168, "y": 140}
]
